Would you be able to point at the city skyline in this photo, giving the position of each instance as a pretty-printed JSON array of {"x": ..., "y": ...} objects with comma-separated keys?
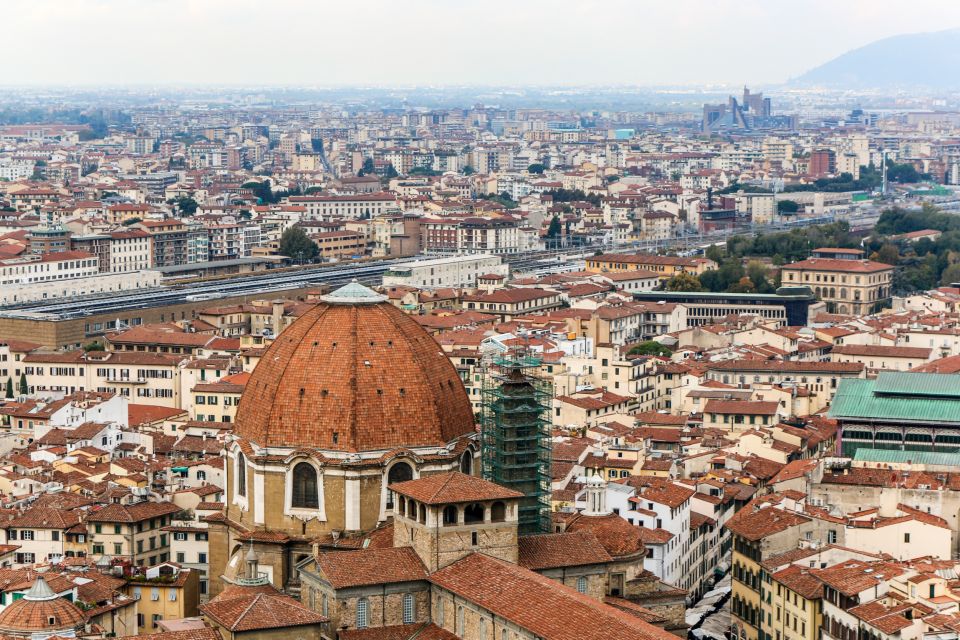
[{"x": 175, "y": 42}]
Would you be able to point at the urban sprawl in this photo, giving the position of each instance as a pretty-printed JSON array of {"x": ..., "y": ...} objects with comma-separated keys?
[{"x": 282, "y": 369}]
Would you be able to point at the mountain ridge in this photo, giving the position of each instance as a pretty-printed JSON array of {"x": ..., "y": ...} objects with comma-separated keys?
[{"x": 928, "y": 59}]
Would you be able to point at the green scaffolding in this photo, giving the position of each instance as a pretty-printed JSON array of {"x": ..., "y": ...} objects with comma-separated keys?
[{"x": 515, "y": 435}]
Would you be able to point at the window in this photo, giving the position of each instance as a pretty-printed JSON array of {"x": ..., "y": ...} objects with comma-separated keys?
[
  {"x": 173, "y": 595},
  {"x": 154, "y": 593},
  {"x": 181, "y": 557},
  {"x": 906, "y": 537},
  {"x": 483, "y": 629},
  {"x": 408, "y": 608},
  {"x": 582, "y": 584},
  {"x": 241, "y": 475},
  {"x": 26, "y": 534},
  {"x": 202, "y": 558},
  {"x": 400, "y": 472},
  {"x": 179, "y": 535},
  {"x": 459, "y": 629},
  {"x": 305, "y": 491},
  {"x": 325, "y": 609},
  {"x": 156, "y": 620},
  {"x": 362, "y": 613}
]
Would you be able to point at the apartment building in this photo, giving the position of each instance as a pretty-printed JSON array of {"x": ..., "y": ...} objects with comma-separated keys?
[
  {"x": 30, "y": 269},
  {"x": 856, "y": 287},
  {"x": 40, "y": 533},
  {"x": 455, "y": 271},
  {"x": 132, "y": 531},
  {"x": 508, "y": 303},
  {"x": 174, "y": 242},
  {"x": 164, "y": 592},
  {"x": 339, "y": 245},
  {"x": 145, "y": 378},
  {"x": 664, "y": 266},
  {"x": 358, "y": 205}
]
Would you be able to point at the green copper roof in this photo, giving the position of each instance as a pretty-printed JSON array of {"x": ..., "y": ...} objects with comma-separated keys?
[
  {"x": 893, "y": 456},
  {"x": 946, "y": 385},
  {"x": 904, "y": 397}
]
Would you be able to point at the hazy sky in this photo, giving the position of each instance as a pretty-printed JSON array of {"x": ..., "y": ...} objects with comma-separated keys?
[{"x": 365, "y": 42}]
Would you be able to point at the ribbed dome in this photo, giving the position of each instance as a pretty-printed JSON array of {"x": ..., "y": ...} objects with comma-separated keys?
[
  {"x": 354, "y": 374},
  {"x": 40, "y": 610}
]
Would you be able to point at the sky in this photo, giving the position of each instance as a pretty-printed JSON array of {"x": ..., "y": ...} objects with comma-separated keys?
[{"x": 443, "y": 42}]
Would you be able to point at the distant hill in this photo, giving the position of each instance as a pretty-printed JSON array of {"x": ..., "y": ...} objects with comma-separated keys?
[{"x": 912, "y": 60}]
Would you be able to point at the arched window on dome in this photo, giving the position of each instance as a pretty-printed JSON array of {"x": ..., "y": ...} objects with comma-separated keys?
[
  {"x": 306, "y": 494},
  {"x": 241, "y": 475},
  {"x": 466, "y": 462},
  {"x": 399, "y": 472}
]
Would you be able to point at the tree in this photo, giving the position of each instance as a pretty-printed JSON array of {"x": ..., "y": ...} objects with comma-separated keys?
[
  {"x": 262, "y": 191},
  {"x": 295, "y": 244},
  {"x": 129, "y": 222},
  {"x": 887, "y": 254},
  {"x": 537, "y": 168},
  {"x": 468, "y": 170},
  {"x": 788, "y": 206},
  {"x": 390, "y": 172},
  {"x": 555, "y": 228},
  {"x": 93, "y": 346},
  {"x": 649, "y": 348},
  {"x": 950, "y": 275},
  {"x": 23, "y": 384},
  {"x": 9, "y": 387},
  {"x": 245, "y": 214},
  {"x": 367, "y": 167},
  {"x": 186, "y": 205},
  {"x": 309, "y": 191},
  {"x": 684, "y": 282}
]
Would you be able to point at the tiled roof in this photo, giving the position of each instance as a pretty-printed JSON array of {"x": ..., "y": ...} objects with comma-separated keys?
[
  {"x": 882, "y": 351},
  {"x": 354, "y": 377},
  {"x": 254, "y": 610},
  {"x": 132, "y": 512},
  {"x": 841, "y": 266},
  {"x": 542, "y": 606},
  {"x": 416, "y": 631},
  {"x": 452, "y": 487},
  {"x": 616, "y": 535},
  {"x": 553, "y": 550},
  {"x": 344, "y": 569},
  {"x": 756, "y": 524}
]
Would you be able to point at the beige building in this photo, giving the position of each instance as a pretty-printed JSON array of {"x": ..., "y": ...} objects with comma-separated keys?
[
  {"x": 143, "y": 378},
  {"x": 164, "y": 592},
  {"x": 855, "y": 287},
  {"x": 131, "y": 531}
]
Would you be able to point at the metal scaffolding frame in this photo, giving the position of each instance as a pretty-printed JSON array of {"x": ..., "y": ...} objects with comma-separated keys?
[{"x": 516, "y": 435}]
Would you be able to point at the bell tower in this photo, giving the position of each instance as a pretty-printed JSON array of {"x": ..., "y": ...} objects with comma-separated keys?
[{"x": 448, "y": 516}]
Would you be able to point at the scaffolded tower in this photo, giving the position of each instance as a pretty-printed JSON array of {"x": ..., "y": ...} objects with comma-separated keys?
[{"x": 515, "y": 435}]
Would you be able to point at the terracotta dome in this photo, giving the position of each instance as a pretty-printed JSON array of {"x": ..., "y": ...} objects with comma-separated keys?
[
  {"x": 40, "y": 609},
  {"x": 354, "y": 374}
]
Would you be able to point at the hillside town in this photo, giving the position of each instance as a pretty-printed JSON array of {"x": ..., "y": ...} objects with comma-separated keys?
[{"x": 272, "y": 372}]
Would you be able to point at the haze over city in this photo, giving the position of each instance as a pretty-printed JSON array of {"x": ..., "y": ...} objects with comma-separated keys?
[{"x": 452, "y": 42}]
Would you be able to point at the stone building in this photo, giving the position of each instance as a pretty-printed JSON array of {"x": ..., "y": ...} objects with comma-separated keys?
[{"x": 353, "y": 396}]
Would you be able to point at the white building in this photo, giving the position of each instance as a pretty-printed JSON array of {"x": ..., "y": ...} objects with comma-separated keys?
[
  {"x": 76, "y": 286},
  {"x": 455, "y": 271},
  {"x": 33, "y": 268}
]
